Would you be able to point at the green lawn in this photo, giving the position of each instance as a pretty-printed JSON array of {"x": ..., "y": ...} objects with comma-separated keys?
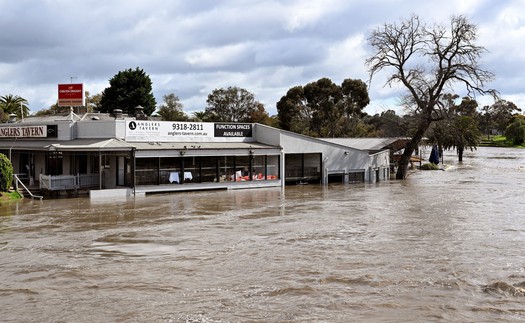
[
  {"x": 498, "y": 141},
  {"x": 8, "y": 196}
]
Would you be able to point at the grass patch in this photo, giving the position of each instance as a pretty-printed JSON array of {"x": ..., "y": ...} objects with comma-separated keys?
[
  {"x": 9, "y": 196},
  {"x": 498, "y": 141},
  {"x": 429, "y": 166}
]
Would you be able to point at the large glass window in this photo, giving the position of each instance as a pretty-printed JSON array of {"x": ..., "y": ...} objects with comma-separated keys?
[
  {"x": 191, "y": 170},
  {"x": 272, "y": 167},
  {"x": 226, "y": 168},
  {"x": 242, "y": 169},
  {"x": 294, "y": 166},
  {"x": 312, "y": 165},
  {"x": 205, "y": 169},
  {"x": 209, "y": 169},
  {"x": 259, "y": 168},
  {"x": 147, "y": 171},
  {"x": 170, "y": 168}
]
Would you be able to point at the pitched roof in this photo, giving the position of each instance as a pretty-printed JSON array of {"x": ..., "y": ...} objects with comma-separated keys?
[{"x": 370, "y": 144}]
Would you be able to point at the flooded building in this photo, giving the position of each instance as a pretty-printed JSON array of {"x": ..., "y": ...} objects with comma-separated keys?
[{"x": 115, "y": 154}]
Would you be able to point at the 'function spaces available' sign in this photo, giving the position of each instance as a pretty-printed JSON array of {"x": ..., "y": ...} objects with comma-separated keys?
[
  {"x": 70, "y": 95},
  {"x": 238, "y": 130}
]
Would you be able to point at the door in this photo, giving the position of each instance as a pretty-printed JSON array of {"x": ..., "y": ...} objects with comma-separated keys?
[{"x": 121, "y": 171}]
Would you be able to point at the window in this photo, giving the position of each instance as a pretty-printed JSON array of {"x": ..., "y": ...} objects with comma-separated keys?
[
  {"x": 259, "y": 168},
  {"x": 242, "y": 169},
  {"x": 272, "y": 167},
  {"x": 106, "y": 161},
  {"x": 209, "y": 169},
  {"x": 356, "y": 177},
  {"x": 170, "y": 168},
  {"x": 147, "y": 171},
  {"x": 54, "y": 165},
  {"x": 226, "y": 168}
]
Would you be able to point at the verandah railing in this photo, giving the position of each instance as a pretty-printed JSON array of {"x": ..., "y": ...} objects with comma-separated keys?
[{"x": 69, "y": 182}]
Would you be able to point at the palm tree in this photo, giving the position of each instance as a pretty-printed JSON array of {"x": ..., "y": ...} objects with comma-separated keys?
[
  {"x": 14, "y": 104},
  {"x": 459, "y": 132}
]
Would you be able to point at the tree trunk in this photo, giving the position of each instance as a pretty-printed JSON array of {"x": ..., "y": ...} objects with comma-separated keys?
[
  {"x": 405, "y": 158},
  {"x": 411, "y": 146},
  {"x": 460, "y": 154}
]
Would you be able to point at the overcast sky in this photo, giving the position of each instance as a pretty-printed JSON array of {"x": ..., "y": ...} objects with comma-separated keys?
[{"x": 191, "y": 47}]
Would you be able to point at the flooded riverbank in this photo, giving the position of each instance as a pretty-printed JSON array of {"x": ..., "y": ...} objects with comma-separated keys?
[{"x": 439, "y": 246}]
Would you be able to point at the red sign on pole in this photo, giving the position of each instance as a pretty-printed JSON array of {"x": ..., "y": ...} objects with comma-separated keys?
[{"x": 70, "y": 95}]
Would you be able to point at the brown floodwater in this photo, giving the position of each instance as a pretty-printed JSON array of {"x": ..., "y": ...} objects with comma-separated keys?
[{"x": 439, "y": 246}]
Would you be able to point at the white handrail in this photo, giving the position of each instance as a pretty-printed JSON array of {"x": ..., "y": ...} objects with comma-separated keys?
[{"x": 17, "y": 181}]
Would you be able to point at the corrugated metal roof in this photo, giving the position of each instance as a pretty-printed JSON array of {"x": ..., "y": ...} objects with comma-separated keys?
[
  {"x": 52, "y": 118},
  {"x": 69, "y": 145},
  {"x": 365, "y": 143}
]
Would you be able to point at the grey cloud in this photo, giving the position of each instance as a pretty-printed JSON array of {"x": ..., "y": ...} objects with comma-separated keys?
[{"x": 192, "y": 47}]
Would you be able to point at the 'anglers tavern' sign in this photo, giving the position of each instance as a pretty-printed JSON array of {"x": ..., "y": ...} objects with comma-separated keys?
[{"x": 24, "y": 132}]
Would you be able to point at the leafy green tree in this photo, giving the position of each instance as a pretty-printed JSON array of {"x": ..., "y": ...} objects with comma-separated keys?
[
  {"x": 325, "y": 101},
  {"x": 6, "y": 173},
  {"x": 272, "y": 121},
  {"x": 459, "y": 129},
  {"x": 324, "y": 109},
  {"x": 459, "y": 132},
  {"x": 52, "y": 110},
  {"x": 259, "y": 115},
  {"x": 426, "y": 60},
  {"x": 13, "y": 104},
  {"x": 467, "y": 107},
  {"x": 293, "y": 111},
  {"x": 233, "y": 104},
  {"x": 199, "y": 116},
  {"x": 388, "y": 124},
  {"x": 515, "y": 131},
  {"x": 171, "y": 109},
  {"x": 486, "y": 123},
  {"x": 92, "y": 104},
  {"x": 92, "y": 101},
  {"x": 128, "y": 89},
  {"x": 498, "y": 115}
]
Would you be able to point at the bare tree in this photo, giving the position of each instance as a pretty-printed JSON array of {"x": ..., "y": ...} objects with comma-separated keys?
[{"x": 428, "y": 61}]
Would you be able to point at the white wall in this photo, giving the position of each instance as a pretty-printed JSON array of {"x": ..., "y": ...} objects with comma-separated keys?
[
  {"x": 65, "y": 131},
  {"x": 97, "y": 129},
  {"x": 336, "y": 158}
]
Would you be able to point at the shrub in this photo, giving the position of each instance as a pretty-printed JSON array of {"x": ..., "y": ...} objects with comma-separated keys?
[
  {"x": 429, "y": 166},
  {"x": 516, "y": 131},
  {"x": 6, "y": 173}
]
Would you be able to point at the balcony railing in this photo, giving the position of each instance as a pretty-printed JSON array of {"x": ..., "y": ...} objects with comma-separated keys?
[{"x": 68, "y": 182}]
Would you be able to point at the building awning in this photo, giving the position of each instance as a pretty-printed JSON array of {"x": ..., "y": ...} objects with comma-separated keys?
[
  {"x": 95, "y": 145},
  {"x": 199, "y": 145},
  {"x": 176, "y": 149},
  {"x": 76, "y": 145}
]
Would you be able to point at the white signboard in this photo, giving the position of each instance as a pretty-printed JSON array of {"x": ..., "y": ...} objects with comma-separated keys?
[
  {"x": 175, "y": 131},
  {"x": 24, "y": 132},
  {"x": 146, "y": 130}
]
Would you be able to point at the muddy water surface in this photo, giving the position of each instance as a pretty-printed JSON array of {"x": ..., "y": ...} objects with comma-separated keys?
[{"x": 439, "y": 246}]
